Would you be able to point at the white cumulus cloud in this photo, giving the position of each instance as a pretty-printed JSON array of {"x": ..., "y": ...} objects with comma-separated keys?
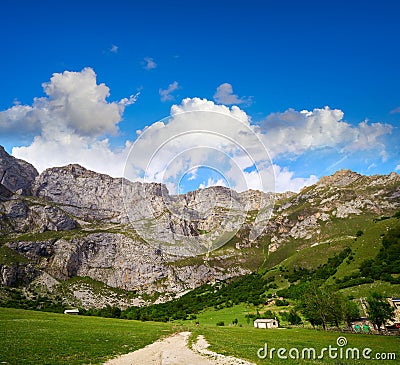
[
  {"x": 285, "y": 180},
  {"x": 74, "y": 102},
  {"x": 211, "y": 182},
  {"x": 224, "y": 95},
  {"x": 166, "y": 95},
  {"x": 149, "y": 63},
  {"x": 70, "y": 122},
  {"x": 295, "y": 132},
  {"x": 199, "y": 133},
  {"x": 20, "y": 120}
]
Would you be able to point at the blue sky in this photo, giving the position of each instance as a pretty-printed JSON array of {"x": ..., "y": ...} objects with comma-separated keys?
[{"x": 272, "y": 59}]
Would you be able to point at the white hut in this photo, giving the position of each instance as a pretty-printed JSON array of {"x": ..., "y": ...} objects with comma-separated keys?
[
  {"x": 266, "y": 323},
  {"x": 71, "y": 311}
]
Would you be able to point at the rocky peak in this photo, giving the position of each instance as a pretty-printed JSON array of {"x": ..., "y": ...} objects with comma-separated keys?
[
  {"x": 340, "y": 178},
  {"x": 72, "y": 170},
  {"x": 15, "y": 175}
]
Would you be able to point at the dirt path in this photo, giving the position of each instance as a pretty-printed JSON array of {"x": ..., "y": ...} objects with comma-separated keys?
[{"x": 174, "y": 351}]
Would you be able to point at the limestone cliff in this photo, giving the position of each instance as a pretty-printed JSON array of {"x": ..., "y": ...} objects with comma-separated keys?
[{"x": 70, "y": 222}]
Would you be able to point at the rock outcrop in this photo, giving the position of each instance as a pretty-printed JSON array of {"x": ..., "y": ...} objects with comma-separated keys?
[
  {"x": 16, "y": 176},
  {"x": 136, "y": 237}
]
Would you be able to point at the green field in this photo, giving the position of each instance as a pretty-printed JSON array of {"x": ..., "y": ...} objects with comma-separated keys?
[
  {"x": 244, "y": 342},
  {"x": 28, "y": 337}
]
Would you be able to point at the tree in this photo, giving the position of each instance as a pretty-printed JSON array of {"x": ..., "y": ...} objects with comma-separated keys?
[
  {"x": 379, "y": 310},
  {"x": 314, "y": 305},
  {"x": 350, "y": 312},
  {"x": 322, "y": 305},
  {"x": 294, "y": 318},
  {"x": 335, "y": 302}
]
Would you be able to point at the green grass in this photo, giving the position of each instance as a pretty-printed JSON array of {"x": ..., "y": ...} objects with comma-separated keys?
[
  {"x": 385, "y": 288},
  {"x": 243, "y": 342},
  {"x": 335, "y": 237},
  {"x": 28, "y": 337},
  {"x": 211, "y": 316},
  {"x": 97, "y": 287},
  {"x": 9, "y": 256},
  {"x": 367, "y": 246},
  {"x": 226, "y": 315}
]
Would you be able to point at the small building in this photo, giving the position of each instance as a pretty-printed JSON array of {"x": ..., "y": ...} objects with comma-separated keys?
[
  {"x": 266, "y": 323},
  {"x": 71, "y": 311},
  {"x": 395, "y": 303}
]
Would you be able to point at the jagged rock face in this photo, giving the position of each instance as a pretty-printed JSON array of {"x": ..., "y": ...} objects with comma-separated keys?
[
  {"x": 17, "y": 216},
  {"x": 188, "y": 224},
  {"x": 341, "y": 195},
  {"x": 118, "y": 261},
  {"x": 15, "y": 175},
  {"x": 125, "y": 228},
  {"x": 81, "y": 192},
  {"x": 340, "y": 178},
  {"x": 17, "y": 273},
  {"x": 34, "y": 250}
]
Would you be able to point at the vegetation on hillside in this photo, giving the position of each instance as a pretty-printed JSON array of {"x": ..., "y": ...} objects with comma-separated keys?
[
  {"x": 311, "y": 291},
  {"x": 379, "y": 310},
  {"x": 385, "y": 266},
  {"x": 246, "y": 289}
]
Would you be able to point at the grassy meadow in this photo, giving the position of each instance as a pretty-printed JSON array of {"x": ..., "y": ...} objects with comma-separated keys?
[
  {"x": 28, "y": 337},
  {"x": 244, "y": 342}
]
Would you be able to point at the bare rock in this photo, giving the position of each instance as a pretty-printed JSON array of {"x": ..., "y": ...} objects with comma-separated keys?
[
  {"x": 340, "y": 178},
  {"x": 15, "y": 175}
]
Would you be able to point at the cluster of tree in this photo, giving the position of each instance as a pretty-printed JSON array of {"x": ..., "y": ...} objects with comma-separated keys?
[
  {"x": 321, "y": 273},
  {"x": 352, "y": 280},
  {"x": 267, "y": 314},
  {"x": 15, "y": 298},
  {"x": 321, "y": 305},
  {"x": 107, "y": 312},
  {"x": 379, "y": 310},
  {"x": 382, "y": 267},
  {"x": 281, "y": 302},
  {"x": 246, "y": 289},
  {"x": 291, "y": 317},
  {"x": 249, "y": 289}
]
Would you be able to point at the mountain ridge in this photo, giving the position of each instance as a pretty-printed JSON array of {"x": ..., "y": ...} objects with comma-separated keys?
[{"x": 136, "y": 237}]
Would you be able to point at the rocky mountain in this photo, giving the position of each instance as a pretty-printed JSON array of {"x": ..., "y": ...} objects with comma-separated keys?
[
  {"x": 16, "y": 176},
  {"x": 95, "y": 239}
]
